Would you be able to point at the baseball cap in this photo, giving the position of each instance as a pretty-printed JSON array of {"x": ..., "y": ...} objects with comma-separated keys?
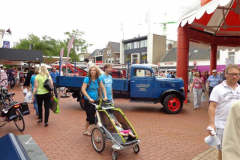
[{"x": 214, "y": 70}]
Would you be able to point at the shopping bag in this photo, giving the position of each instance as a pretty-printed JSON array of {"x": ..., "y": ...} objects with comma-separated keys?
[
  {"x": 28, "y": 97},
  {"x": 203, "y": 99},
  {"x": 54, "y": 105},
  {"x": 25, "y": 92}
]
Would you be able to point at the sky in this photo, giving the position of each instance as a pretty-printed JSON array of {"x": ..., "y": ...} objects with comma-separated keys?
[{"x": 100, "y": 20}]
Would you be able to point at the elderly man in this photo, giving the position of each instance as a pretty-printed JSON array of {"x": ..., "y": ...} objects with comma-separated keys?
[
  {"x": 213, "y": 81},
  {"x": 221, "y": 99},
  {"x": 54, "y": 74}
]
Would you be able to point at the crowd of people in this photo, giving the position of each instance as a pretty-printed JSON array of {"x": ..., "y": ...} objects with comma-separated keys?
[
  {"x": 33, "y": 80},
  {"x": 223, "y": 90}
]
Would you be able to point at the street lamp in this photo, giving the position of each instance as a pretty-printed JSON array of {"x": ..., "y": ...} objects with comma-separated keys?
[{"x": 2, "y": 32}]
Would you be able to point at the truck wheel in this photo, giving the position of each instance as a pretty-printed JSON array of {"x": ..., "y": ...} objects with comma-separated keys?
[
  {"x": 172, "y": 104},
  {"x": 81, "y": 101}
]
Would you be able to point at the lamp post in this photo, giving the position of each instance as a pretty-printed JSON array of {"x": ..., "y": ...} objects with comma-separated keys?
[{"x": 2, "y": 32}]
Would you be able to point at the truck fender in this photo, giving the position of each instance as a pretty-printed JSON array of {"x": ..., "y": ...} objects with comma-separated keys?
[{"x": 170, "y": 91}]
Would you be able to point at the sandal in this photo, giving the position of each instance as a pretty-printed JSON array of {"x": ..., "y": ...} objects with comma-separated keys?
[{"x": 87, "y": 133}]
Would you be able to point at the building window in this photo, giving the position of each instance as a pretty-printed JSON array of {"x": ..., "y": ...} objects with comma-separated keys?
[
  {"x": 117, "y": 60},
  {"x": 143, "y": 57},
  {"x": 106, "y": 60},
  {"x": 136, "y": 45},
  {"x": 143, "y": 43},
  {"x": 128, "y": 46},
  {"x": 231, "y": 56}
]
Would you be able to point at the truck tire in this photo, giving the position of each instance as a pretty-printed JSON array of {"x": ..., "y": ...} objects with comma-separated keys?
[
  {"x": 172, "y": 104},
  {"x": 81, "y": 101}
]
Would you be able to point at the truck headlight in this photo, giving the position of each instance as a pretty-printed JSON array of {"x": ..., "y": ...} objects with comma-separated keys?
[{"x": 182, "y": 89}]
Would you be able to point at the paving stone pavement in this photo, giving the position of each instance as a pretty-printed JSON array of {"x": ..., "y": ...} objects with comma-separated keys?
[{"x": 163, "y": 136}]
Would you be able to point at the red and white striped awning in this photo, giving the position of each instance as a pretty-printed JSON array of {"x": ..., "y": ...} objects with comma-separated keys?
[{"x": 218, "y": 17}]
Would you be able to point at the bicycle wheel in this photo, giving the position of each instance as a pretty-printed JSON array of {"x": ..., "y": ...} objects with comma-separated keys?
[{"x": 19, "y": 121}]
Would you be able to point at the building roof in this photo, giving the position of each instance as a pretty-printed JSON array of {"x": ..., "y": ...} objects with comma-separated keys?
[
  {"x": 194, "y": 54},
  {"x": 135, "y": 39},
  {"x": 94, "y": 53},
  {"x": 116, "y": 46}
]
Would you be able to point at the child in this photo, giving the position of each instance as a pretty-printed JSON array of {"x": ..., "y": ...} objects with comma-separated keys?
[{"x": 123, "y": 132}]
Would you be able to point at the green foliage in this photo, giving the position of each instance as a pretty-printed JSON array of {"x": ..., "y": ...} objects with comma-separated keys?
[{"x": 52, "y": 47}]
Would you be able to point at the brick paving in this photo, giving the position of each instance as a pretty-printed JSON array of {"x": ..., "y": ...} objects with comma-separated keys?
[{"x": 162, "y": 136}]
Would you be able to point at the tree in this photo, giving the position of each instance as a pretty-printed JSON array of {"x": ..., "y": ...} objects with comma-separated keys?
[
  {"x": 52, "y": 47},
  {"x": 79, "y": 44}
]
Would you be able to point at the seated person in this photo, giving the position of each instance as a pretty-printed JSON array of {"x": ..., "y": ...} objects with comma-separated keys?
[{"x": 124, "y": 133}]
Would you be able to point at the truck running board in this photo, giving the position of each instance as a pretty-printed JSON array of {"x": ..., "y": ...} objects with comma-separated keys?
[{"x": 132, "y": 101}]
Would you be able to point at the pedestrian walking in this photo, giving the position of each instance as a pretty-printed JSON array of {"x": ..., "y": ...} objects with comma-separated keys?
[
  {"x": 28, "y": 78},
  {"x": 54, "y": 74},
  {"x": 107, "y": 82},
  {"x": 197, "y": 88},
  {"x": 231, "y": 145},
  {"x": 11, "y": 77},
  {"x": 32, "y": 86},
  {"x": 213, "y": 81},
  {"x": 42, "y": 94},
  {"x": 90, "y": 91},
  {"x": 221, "y": 99}
]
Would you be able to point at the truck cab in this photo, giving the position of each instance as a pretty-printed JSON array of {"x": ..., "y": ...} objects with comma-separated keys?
[{"x": 145, "y": 86}]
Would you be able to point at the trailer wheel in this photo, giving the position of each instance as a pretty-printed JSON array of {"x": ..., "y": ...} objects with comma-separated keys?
[
  {"x": 172, "y": 104},
  {"x": 81, "y": 101}
]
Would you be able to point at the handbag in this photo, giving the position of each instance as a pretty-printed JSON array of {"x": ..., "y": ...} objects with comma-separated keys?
[
  {"x": 54, "y": 105},
  {"x": 48, "y": 85},
  {"x": 203, "y": 98}
]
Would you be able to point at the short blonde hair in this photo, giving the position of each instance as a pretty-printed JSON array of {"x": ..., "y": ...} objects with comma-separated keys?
[
  {"x": 232, "y": 66},
  {"x": 97, "y": 72},
  {"x": 43, "y": 71}
]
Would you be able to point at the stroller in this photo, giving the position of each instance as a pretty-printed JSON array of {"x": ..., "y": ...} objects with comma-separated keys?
[{"x": 107, "y": 130}]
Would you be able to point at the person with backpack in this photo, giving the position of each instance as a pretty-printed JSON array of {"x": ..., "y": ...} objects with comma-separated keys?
[{"x": 90, "y": 91}]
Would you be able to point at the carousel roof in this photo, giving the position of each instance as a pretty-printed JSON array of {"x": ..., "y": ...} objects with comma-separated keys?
[{"x": 217, "y": 17}]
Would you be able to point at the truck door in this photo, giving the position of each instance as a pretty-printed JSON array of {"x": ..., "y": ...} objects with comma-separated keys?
[{"x": 142, "y": 83}]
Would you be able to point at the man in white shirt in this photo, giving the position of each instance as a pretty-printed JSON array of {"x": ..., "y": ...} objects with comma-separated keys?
[
  {"x": 221, "y": 99},
  {"x": 231, "y": 145}
]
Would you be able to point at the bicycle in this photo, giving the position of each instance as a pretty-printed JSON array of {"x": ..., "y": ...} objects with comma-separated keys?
[{"x": 11, "y": 110}]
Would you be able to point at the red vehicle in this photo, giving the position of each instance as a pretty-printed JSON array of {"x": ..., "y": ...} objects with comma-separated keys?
[{"x": 72, "y": 69}]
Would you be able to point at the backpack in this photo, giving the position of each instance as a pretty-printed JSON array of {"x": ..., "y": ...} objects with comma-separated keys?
[{"x": 90, "y": 81}]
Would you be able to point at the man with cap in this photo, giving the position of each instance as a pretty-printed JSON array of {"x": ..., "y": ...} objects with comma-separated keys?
[{"x": 213, "y": 81}]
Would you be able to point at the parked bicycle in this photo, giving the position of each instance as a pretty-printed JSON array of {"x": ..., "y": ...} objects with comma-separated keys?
[{"x": 10, "y": 110}]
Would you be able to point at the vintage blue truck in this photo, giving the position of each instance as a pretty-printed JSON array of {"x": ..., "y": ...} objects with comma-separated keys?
[{"x": 140, "y": 86}]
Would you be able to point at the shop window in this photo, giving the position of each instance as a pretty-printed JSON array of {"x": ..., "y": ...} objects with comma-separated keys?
[
  {"x": 231, "y": 56},
  {"x": 144, "y": 57}
]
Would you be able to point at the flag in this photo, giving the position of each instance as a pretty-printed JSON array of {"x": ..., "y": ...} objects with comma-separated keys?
[
  {"x": 61, "y": 55},
  {"x": 61, "y": 52},
  {"x": 70, "y": 43}
]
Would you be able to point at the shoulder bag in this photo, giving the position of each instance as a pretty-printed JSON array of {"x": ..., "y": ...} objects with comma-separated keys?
[{"x": 48, "y": 85}]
